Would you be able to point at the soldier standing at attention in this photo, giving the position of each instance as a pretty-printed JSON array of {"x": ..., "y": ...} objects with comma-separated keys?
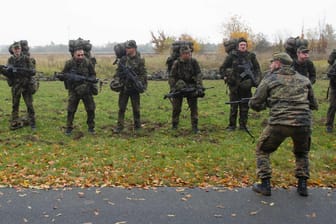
[
  {"x": 290, "y": 98},
  {"x": 241, "y": 72},
  {"x": 185, "y": 72},
  {"x": 132, "y": 61},
  {"x": 19, "y": 74},
  {"x": 80, "y": 90},
  {"x": 303, "y": 65}
]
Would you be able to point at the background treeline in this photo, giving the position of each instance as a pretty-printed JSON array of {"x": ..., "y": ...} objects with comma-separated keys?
[{"x": 322, "y": 39}]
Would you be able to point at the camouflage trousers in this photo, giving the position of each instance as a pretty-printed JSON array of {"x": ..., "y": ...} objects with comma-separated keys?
[
  {"x": 89, "y": 105},
  {"x": 123, "y": 101},
  {"x": 332, "y": 108},
  {"x": 271, "y": 138},
  {"x": 237, "y": 93},
  {"x": 177, "y": 108},
  {"x": 17, "y": 92}
]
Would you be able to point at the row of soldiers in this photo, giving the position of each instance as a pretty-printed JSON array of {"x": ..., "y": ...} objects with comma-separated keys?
[{"x": 286, "y": 89}]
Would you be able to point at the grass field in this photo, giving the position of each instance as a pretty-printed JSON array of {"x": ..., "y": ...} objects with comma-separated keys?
[{"x": 156, "y": 156}]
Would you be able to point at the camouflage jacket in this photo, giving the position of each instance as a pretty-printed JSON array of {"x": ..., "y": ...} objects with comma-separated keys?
[
  {"x": 235, "y": 62},
  {"x": 23, "y": 61},
  {"x": 289, "y": 96},
  {"x": 188, "y": 71},
  {"x": 136, "y": 64},
  {"x": 83, "y": 67},
  {"x": 331, "y": 73},
  {"x": 306, "y": 68}
]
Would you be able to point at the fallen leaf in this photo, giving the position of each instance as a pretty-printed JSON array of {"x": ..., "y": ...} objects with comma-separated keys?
[
  {"x": 313, "y": 215},
  {"x": 254, "y": 212}
]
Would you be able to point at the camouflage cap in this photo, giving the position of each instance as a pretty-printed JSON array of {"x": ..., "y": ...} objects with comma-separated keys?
[
  {"x": 130, "y": 44},
  {"x": 16, "y": 45},
  {"x": 185, "y": 49},
  {"x": 241, "y": 39},
  {"x": 302, "y": 49},
  {"x": 283, "y": 57}
]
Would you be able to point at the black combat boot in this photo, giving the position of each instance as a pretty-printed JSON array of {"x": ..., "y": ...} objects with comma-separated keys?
[
  {"x": 264, "y": 188},
  {"x": 194, "y": 126},
  {"x": 302, "y": 186}
]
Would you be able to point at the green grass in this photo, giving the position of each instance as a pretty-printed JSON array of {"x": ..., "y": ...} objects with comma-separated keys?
[{"x": 156, "y": 156}]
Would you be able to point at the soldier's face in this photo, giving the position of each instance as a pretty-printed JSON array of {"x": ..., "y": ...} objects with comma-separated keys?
[
  {"x": 303, "y": 56},
  {"x": 242, "y": 46},
  {"x": 79, "y": 55},
  {"x": 17, "y": 51},
  {"x": 274, "y": 65},
  {"x": 186, "y": 56},
  {"x": 130, "y": 51}
]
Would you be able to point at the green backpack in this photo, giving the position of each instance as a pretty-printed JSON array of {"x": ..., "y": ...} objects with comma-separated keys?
[
  {"x": 175, "y": 52},
  {"x": 85, "y": 45}
]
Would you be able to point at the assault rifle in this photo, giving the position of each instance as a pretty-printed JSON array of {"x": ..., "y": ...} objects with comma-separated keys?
[
  {"x": 247, "y": 73},
  {"x": 9, "y": 71},
  {"x": 74, "y": 77},
  {"x": 131, "y": 77},
  {"x": 242, "y": 100},
  {"x": 187, "y": 92}
]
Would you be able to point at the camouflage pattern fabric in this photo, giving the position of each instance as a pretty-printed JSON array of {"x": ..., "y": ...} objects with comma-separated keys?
[
  {"x": 331, "y": 73},
  {"x": 21, "y": 87},
  {"x": 289, "y": 95},
  {"x": 271, "y": 138},
  {"x": 80, "y": 91},
  {"x": 231, "y": 69},
  {"x": 290, "y": 98},
  {"x": 306, "y": 69},
  {"x": 332, "y": 108},
  {"x": 190, "y": 73},
  {"x": 137, "y": 64}
]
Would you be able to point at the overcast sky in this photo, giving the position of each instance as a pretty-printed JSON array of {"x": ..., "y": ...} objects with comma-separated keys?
[{"x": 101, "y": 21}]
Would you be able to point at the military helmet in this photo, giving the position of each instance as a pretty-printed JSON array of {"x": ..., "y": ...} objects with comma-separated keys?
[
  {"x": 180, "y": 84},
  {"x": 116, "y": 84}
]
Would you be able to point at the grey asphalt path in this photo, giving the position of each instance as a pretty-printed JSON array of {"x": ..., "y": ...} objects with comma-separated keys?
[{"x": 166, "y": 205}]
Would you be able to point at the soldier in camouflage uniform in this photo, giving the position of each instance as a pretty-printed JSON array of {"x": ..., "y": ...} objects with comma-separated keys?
[
  {"x": 303, "y": 65},
  {"x": 136, "y": 63},
  {"x": 332, "y": 96},
  {"x": 185, "y": 72},
  {"x": 233, "y": 67},
  {"x": 21, "y": 86},
  {"x": 80, "y": 65},
  {"x": 290, "y": 98}
]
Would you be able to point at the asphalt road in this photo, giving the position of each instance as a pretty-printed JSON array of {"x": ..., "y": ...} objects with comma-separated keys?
[{"x": 166, "y": 205}]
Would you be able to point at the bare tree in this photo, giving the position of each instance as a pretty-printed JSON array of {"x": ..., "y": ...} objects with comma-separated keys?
[{"x": 161, "y": 42}]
